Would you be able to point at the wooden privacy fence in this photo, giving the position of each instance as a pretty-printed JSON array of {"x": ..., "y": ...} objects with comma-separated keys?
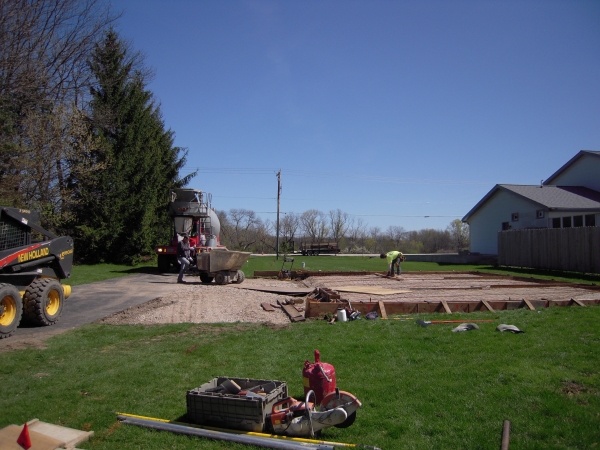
[{"x": 572, "y": 249}]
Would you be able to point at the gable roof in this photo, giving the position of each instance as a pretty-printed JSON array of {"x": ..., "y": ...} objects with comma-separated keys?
[
  {"x": 557, "y": 198},
  {"x": 570, "y": 162}
]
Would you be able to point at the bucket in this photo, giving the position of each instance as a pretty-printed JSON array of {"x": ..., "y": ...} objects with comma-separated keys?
[
  {"x": 212, "y": 241},
  {"x": 341, "y": 315}
]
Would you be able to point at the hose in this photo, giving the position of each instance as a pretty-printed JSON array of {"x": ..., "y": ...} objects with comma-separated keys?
[
  {"x": 307, "y": 409},
  {"x": 222, "y": 436}
]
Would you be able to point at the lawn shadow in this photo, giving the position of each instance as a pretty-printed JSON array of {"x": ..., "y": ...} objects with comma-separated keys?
[{"x": 137, "y": 270}]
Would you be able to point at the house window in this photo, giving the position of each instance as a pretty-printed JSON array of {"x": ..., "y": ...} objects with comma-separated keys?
[
  {"x": 566, "y": 222},
  {"x": 505, "y": 226},
  {"x": 515, "y": 217},
  {"x": 577, "y": 221},
  {"x": 590, "y": 220},
  {"x": 556, "y": 222},
  {"x": 540, "y": 213}
]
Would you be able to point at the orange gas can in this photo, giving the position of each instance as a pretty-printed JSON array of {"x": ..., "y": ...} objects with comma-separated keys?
[{"x": 318, "y": 377}]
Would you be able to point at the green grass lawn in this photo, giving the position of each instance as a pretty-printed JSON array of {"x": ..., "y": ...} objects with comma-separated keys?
[
  {"x": 82, "y": 274},
  {"x": 421, "y": 388}
]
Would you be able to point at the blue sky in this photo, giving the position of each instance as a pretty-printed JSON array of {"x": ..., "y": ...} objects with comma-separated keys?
[{"x": 398, "y": 112}]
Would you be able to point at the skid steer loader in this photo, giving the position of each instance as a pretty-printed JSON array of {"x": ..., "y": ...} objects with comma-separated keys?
[{"x": 32, "y": 263}]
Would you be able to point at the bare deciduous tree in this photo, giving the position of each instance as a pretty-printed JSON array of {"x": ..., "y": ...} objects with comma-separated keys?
[
  {"x": 44, "y": 49},
  {"x": 396, "y": 235},
  {"x": 338, "y": 223},
  {"x": 244, "y": 226},
  {"x": 356, "y": 232},
  {"x": 289, "y": 227},
  {"x": 45, "y": 45},
  {"x": 310, "y": 223}
]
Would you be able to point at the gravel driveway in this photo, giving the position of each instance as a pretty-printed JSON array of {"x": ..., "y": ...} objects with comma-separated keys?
[{"x": 152, "y": 299}]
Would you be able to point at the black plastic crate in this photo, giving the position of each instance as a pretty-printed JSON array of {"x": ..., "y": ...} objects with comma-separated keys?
[{"x": 233, "y": 411}]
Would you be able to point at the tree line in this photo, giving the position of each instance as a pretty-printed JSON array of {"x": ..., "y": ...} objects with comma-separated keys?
[
  {"x": 82, "y": 139},
  {"x": 243, "y": 229}
]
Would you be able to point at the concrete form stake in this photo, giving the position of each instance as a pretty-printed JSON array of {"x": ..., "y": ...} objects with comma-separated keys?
[{"x": 505, "y": 435}]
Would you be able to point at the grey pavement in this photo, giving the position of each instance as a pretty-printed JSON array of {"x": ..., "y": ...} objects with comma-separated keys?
[{"x": 91, "y": 302}]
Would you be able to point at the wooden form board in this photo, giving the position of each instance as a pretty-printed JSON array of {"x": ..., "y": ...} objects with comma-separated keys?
[
  {"x": 446, "y": 307},
  {"x": 529, "y": 305},
  {"x": 374, "y": 290},
  {"x": 487, "y": 305},
  {"x": 382, "y": 310},
  {"x": 318, "y": 309}
]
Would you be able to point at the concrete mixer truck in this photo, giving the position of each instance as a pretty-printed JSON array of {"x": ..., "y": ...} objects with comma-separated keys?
[{"x": 193, "y": 216}]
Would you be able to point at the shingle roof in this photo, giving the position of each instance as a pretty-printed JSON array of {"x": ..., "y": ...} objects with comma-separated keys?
[
  {"x": 558, "y": 197},
  {"x": 570, "y": 162},
  {"x": 571, "y": 198}
]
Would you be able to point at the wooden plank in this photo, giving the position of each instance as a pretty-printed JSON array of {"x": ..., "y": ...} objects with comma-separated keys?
[
  {"x": 382, "y": 310},
  {"x": 374, "y": 290},
  {"x": 446, "y": 307},
  {"x": 487, "y": 305},
  {"x": 292, "y": 313},
  {"x": 267, "y": 306},
  {"x": 529, "y": 305},
  {"x": 574, "y": 300}
]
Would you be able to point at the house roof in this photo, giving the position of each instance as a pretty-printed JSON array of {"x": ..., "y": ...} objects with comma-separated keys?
[
  {"x": 558, "y": 198},
  {"x": 570, "y": 162}
]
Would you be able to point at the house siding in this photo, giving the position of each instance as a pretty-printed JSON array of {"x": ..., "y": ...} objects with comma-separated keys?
[
  {"x": 486, "y": 222},
  {"x": 583, "y": 172}
]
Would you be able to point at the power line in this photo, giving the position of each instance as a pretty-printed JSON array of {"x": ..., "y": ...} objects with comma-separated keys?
[{"x": 321, "y": 175}]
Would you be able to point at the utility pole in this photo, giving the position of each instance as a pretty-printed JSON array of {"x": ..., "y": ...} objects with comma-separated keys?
[{"x": 278, "y": 201}]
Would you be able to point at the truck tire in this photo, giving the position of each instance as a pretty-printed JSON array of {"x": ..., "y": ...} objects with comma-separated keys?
[
  {"x": 164, "y": 265},
  {"x": 43, "y": 301},
  {"x": 11, "y": 310},
  {"x": 241, "y": 276},
  {"x": 205, "y": 278},
  {"x": 221, "y": 278}
]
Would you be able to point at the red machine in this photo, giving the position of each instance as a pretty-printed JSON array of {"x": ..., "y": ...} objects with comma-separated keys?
[
  {"x": 319, "y": 378},
  {"x": 291, "y": 417}
]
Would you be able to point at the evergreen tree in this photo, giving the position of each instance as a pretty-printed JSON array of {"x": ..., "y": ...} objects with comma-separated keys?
[{"x": 122, "y": 210}]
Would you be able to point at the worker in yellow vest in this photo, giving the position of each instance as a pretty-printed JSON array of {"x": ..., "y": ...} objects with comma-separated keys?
[{"x": 394, "y": 258}]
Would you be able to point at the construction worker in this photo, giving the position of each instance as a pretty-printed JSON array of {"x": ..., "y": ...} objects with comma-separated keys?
[
  {"x": 394, "y": 258},
  {"x": 183, "y": 256}
]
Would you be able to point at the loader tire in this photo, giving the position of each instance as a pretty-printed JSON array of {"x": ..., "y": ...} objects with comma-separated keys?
[
  {"x": 205, "y": 278},
  {"x": 241, "y": 276},
  {"x": 43, "y": 301},
  {"x": 11, "y": 310}
]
